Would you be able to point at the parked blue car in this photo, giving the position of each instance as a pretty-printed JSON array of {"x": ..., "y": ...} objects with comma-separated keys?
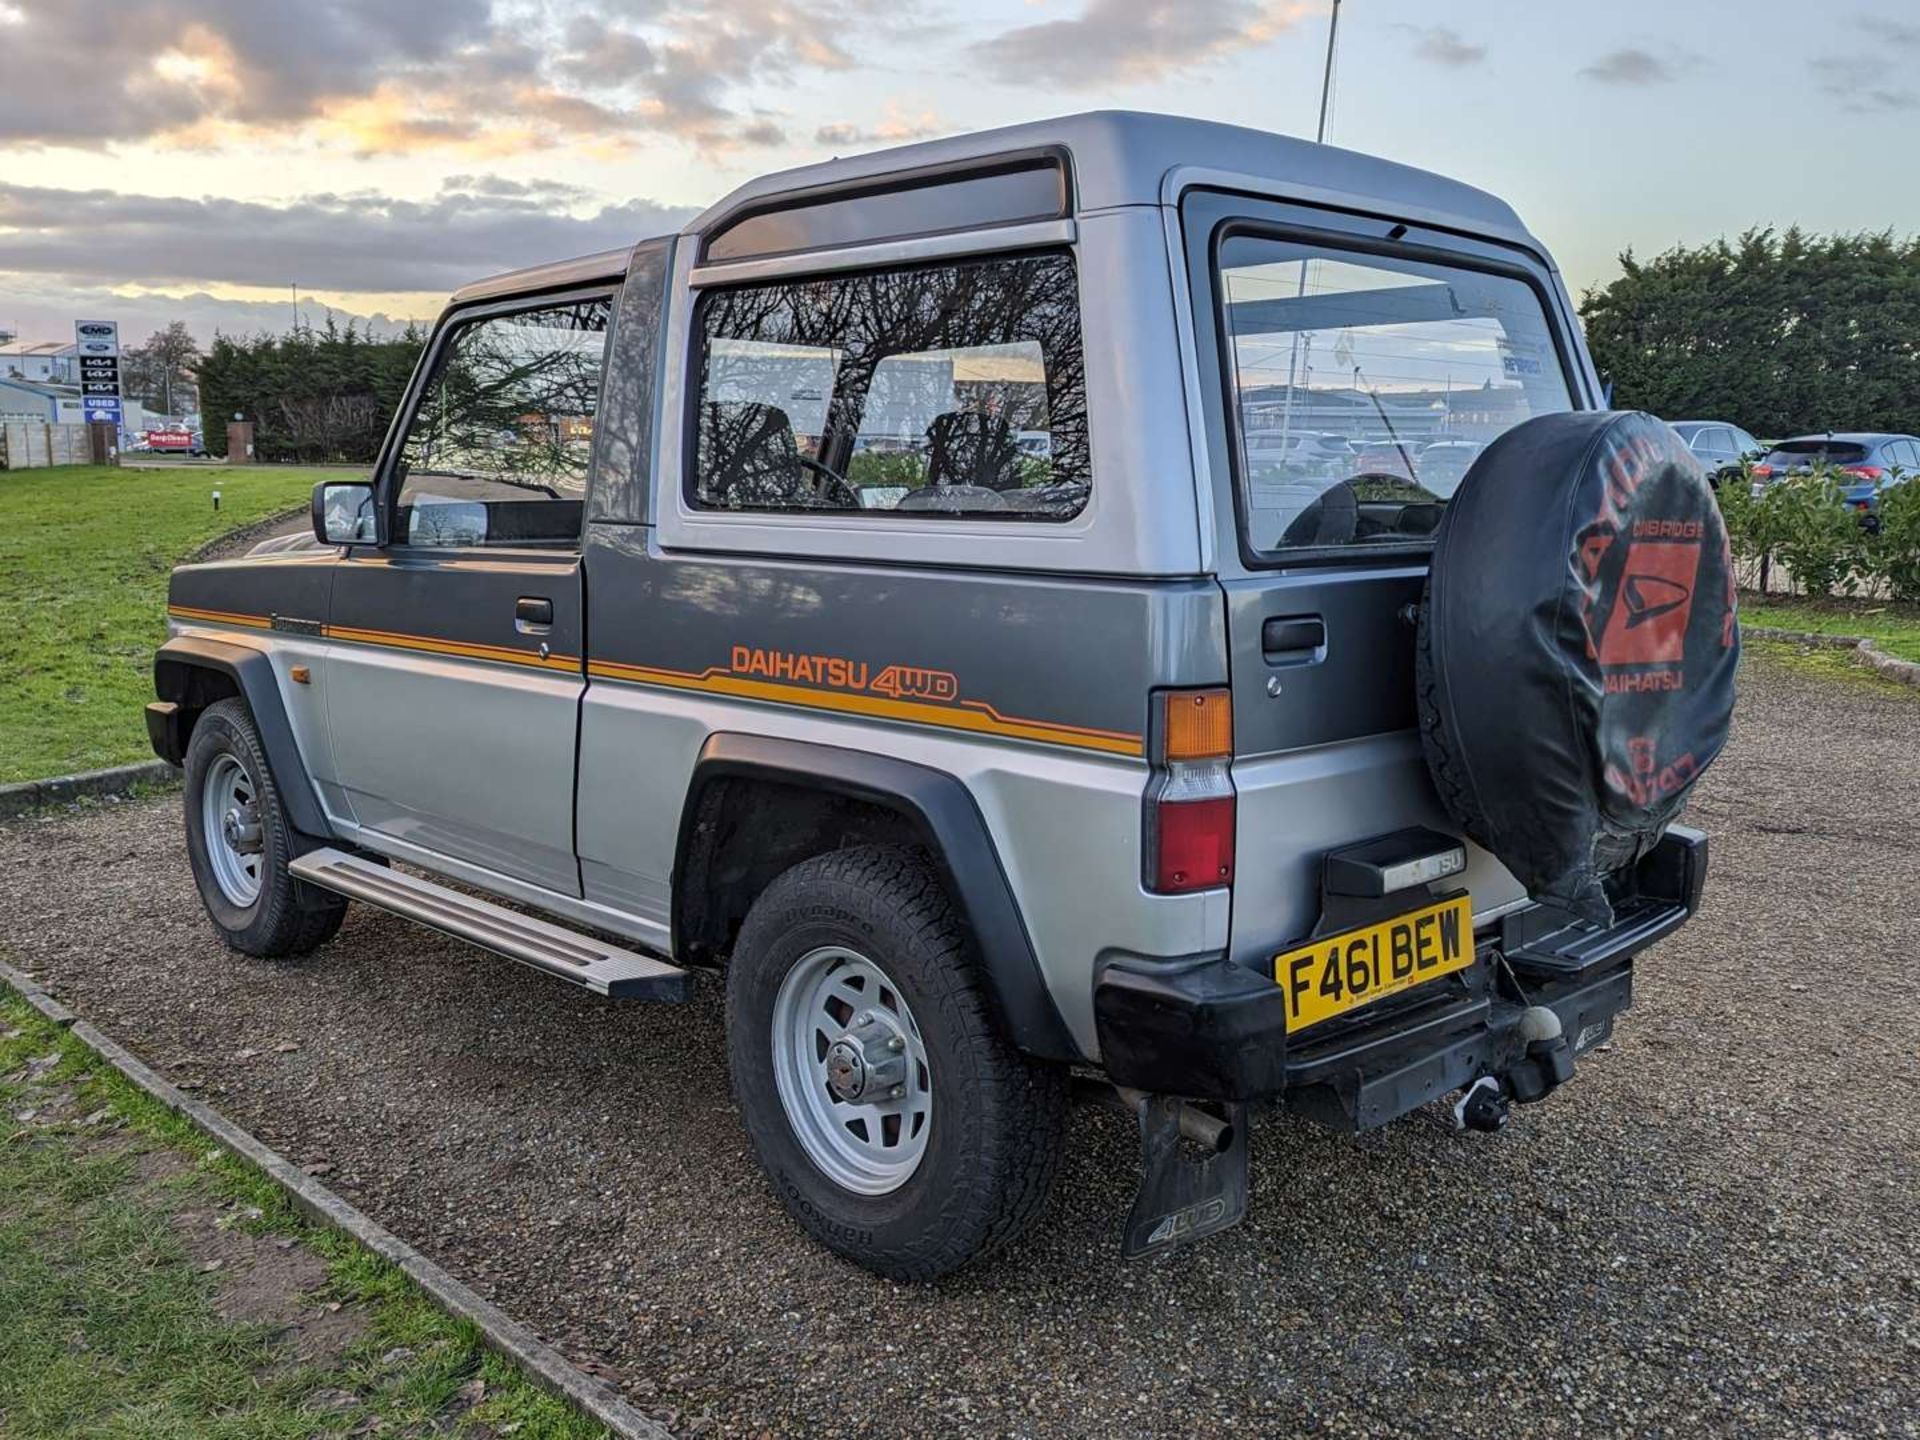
[{"x": 1864, "y": 463}]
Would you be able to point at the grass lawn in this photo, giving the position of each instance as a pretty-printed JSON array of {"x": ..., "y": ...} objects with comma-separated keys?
[
  {"x": 1894, "y": 628},
  {"x": 153, "y": 1287},
  {"x": 86, "y": 551}
]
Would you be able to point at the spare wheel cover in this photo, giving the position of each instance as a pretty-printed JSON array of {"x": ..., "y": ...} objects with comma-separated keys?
[{"x": 1577, "y": 648}]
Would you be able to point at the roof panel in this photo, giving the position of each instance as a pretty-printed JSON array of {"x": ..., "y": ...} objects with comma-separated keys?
[{"x": 1122, "y": 157}]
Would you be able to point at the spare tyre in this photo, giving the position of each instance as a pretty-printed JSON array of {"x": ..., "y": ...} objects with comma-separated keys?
[{"x": 1577, "y": 648}]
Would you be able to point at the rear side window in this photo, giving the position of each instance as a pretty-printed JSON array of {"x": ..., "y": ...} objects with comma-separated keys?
[
  {"x": 940, "y": 390},
  {"x": 1364, "y": 386},
  {"x": 1808, "y": 453}
]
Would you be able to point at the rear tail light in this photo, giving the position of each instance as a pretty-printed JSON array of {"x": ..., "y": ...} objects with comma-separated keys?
[
  {"x": 1190, "y": 803},
  {"x": 1765, "y": 472},
  {"x": 1863, "y": 472}
]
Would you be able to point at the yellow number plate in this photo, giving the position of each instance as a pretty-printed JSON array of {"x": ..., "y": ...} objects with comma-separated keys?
[{"x": 1343, "y": 972}]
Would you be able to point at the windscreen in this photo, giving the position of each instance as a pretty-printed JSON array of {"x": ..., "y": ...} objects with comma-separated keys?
[{"x": 1364, "y": 386}]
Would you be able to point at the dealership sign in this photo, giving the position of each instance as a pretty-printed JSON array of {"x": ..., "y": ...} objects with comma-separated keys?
[{"x": 97, "y": 343}]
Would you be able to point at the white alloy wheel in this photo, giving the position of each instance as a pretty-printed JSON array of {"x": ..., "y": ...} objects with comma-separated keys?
[
  {"x": 852, "y": 1070},
  {"x": 230, "y": 821}
]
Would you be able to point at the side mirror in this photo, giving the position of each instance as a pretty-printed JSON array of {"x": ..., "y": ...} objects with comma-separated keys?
[{"x": 343, "y": 513}]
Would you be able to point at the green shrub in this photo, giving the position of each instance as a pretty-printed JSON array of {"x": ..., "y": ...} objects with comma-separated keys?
[
  {"x": 1742, "y": 512},
  {"x": 1893, "y": 555},
  {"x": 1804, "y": 524}
]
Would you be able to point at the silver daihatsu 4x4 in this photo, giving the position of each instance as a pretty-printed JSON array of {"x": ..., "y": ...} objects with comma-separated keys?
[{"x": 988, "y": 600}]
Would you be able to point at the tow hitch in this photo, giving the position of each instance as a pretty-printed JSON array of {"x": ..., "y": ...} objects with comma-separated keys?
[{"x": 1545, "y": 1065}]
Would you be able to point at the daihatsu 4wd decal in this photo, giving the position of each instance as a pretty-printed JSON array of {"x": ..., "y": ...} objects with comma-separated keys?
[
  {"x": 893, "y": 691},
  {"x": 899, "y": 681}
]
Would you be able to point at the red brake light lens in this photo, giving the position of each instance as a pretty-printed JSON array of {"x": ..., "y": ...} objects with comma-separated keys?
[
  {"x": 1194, "y": 848},
  {"x": 1190, "y": 800},
  {"x": 1863, "y": 472}
]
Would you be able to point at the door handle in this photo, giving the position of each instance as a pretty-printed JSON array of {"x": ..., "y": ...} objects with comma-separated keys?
[
  {"x": 1294, "y": 640},
  {"x": 533, "y": 615}
]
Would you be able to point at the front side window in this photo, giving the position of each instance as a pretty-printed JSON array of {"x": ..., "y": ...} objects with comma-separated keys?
[
  {"x": 1364, "y": 386},
  {"x": 941, "y": 390},
  {"x": 497, "y": 452}
]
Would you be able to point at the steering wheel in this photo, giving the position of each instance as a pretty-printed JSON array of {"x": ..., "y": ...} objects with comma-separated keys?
[{"x": 845, "y": 486}]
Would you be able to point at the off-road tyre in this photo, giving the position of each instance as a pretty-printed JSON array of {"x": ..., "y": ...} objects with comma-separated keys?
[
  {"x": 998, "y": 1116},
  {"x": 289, "y": 917}
]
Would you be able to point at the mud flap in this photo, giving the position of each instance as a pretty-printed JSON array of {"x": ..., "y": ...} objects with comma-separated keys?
[{"x": 1182, "y": 1198}]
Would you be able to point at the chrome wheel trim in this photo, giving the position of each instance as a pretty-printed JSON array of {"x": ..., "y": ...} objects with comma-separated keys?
[
  {"x": 852, "y": 1070},
  {"x": 231, "y": 828}
]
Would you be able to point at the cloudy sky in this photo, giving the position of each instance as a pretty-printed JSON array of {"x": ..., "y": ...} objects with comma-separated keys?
[{"x": 196, "y": 158}]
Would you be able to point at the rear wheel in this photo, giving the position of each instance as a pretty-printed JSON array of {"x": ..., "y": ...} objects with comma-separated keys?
[
  {"x": 898, "y": 1124},
  {"x": 239, "y": 843}
]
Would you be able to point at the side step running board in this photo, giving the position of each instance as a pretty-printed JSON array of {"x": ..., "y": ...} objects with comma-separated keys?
[{"x": 566, "y": 954}]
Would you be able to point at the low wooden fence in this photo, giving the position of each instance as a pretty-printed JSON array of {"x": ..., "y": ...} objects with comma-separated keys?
[{"x": 28, "y": 445}]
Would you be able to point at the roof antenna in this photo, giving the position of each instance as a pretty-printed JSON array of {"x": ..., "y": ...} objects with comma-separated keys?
[{"x": 1326, "y": 78}]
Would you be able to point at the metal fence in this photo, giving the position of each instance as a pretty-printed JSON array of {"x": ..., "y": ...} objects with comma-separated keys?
[{"x": 28, "y": 445}]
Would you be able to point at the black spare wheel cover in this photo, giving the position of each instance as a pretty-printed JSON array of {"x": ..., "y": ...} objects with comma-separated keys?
[{"x": 1577, "y": 648}]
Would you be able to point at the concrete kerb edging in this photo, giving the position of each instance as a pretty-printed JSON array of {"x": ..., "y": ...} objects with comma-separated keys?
[
  {"x": 26, "y": 796},
  {"x": 541, "y": 1363},
  {"x": 1865, "y": 652}
]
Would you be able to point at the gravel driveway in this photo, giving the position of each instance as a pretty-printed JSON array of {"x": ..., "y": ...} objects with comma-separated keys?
[{"x": 1713, "y": 1231}]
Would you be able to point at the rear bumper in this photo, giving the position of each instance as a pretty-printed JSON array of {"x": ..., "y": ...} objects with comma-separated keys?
[{"x": 1211, "y": 1029}]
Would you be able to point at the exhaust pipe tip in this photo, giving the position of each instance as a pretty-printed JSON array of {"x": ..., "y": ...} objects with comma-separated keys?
[{"x": 1198, "y": 1125}]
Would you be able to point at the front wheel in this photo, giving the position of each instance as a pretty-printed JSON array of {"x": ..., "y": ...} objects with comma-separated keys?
[
  {"x": 239, "y": 843},
  {"x": 899, "y": 1126}
]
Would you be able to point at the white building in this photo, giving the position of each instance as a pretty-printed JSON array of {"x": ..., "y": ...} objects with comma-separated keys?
[
  {"x": 41, "y": 403},
  {"x": 48, "y": 362}
]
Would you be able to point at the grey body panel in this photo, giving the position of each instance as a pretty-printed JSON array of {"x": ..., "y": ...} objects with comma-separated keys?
[
  {"x": 1063, "y": 667},
  {"x": 274, "y": 606},
  {"x": 466, "y": 751}
]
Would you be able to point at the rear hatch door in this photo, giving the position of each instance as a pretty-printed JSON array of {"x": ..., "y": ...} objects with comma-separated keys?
[{"x": 1333, "y": 323}]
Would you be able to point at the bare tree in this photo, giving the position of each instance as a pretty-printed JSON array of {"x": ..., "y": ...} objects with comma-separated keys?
[{"x": 161, "y": 370}]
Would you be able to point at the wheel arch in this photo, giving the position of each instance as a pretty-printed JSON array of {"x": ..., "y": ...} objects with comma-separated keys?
[
  {"x": 925, "y": 806},
  {"x": 191, "y": 672}
]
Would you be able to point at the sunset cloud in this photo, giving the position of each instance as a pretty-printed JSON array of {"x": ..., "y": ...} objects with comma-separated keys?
[
  {"x": 403, "y": 76},
  {"x": 1131, "y": 40},
  {"x": 366, "y": 244}
]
